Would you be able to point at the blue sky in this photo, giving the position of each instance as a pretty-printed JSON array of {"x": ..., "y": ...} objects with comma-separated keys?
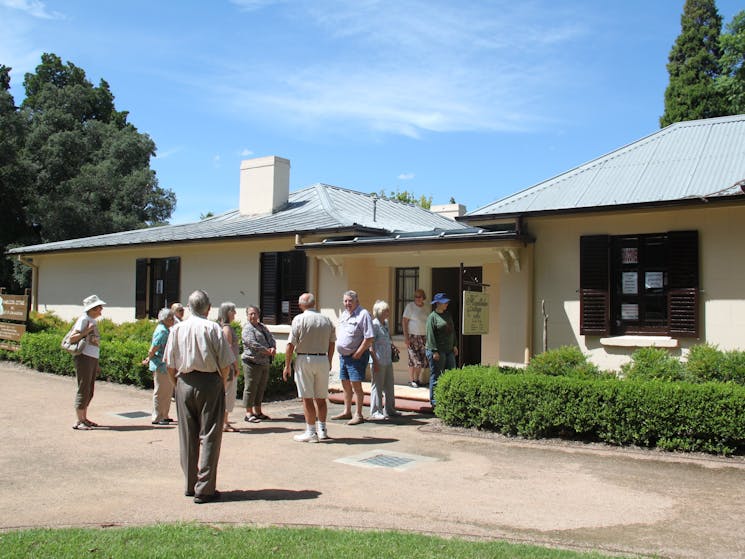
[{"x": 470, "y": 99}]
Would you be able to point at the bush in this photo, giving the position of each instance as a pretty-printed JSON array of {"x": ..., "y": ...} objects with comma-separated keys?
[
  {"x": 45, "y": 322},
  {"x": 707, "y": 417},
  {"x": 564, "y": 361},
  {"x": 708, "y": 363},
  {"x": 653, "y": 363}
]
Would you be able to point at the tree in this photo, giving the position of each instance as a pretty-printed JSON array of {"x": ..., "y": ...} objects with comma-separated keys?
[
  {"x": 731, "y": 82},
  {"x": 91, "y": 167},
  {"x": 694, "y": 66},
  {"x": 407, "y": 198},
  {"x": 70, "y": 164}
]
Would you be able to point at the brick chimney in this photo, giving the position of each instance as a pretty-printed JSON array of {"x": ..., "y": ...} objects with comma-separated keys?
[{"x": 265, "y": 185}]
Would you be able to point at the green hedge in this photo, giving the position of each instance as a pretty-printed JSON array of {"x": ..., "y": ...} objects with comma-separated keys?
[{"x": 708, "y": 417}]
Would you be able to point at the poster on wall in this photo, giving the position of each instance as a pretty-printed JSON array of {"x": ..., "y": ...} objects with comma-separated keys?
[
  {"x": 475, "y": 313},
  {"x": 630, "y": 283}
]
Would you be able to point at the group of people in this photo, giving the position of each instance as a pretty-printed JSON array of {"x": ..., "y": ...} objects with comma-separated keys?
[{"x": 196, "y": 362}]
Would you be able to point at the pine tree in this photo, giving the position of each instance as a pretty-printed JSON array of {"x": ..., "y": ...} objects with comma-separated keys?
[{"x": 694, "y": 66}]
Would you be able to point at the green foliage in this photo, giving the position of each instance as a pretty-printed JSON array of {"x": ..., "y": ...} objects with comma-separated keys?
[
  {"x": 407, "y": 198},
  {"x": 653, "y": 363},
  {"x": 70, "y": 163},
  {"x": 731, "y": 83},
  {"x": 707, "y": 417},
  {"x": 707, "y": 363},
  {"x": 43, "y": 322},
  {"x": 563, "y": 361},
  {"x": 694, "y": 65}
]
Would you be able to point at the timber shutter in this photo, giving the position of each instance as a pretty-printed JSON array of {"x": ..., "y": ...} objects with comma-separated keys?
[
  {"x": 141, "y": 288},
  {"x": 283, "y": 278},
  {"x": 594, "y": 285},
  {"x": 683, "y": 286},
  {"x": 269, "y": 295},
  {"x": 157, "y": 285}
]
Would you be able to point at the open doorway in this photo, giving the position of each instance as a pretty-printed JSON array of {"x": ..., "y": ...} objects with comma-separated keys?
[{"x": 446, "y": 280}]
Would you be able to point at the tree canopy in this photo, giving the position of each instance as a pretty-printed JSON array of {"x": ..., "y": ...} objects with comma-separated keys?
[
  {"x": 407, "y": 198},
  {"x": 70, "y": 164}
]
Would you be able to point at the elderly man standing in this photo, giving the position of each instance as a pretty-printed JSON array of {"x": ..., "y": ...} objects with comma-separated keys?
[
  {"x": 199, "y": 358},
  {"x": 312, "y": 337},
  {"x": 354, "y": 337}
]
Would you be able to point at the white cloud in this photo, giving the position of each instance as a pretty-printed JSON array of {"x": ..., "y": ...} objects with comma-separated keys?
[
  {"x": 411, "y": 67},
  {"x": 34, "y": 8},
  {"x": 216, "y": 160},
  {"x": 406, "y": 176},
  {"x": 246, "y": 152}
]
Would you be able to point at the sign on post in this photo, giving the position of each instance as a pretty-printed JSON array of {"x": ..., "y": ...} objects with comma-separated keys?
[
  {"x": 12, "y": 308},
  {"x": 475, "y": 313}
]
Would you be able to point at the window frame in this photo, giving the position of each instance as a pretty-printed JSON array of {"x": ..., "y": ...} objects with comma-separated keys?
[
  {"x": 148, "y": 272},
  {"x": 406, "y": 281}
]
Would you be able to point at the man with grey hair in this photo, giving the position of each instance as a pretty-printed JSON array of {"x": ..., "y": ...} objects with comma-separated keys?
[
  {"x": 198, "y": 359},
  {"x": 354, "y": 337},
  {"x": 312, "y": 335}
]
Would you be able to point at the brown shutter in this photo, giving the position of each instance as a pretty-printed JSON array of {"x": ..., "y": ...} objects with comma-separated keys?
[
  {"x": 269, "y": 291},
  {"x": 683, "y": 287},
  {"x": 594, "y": 288},
  {"x": 141, "y": 288},
  {"x": 294, "y": 269},
  {"x": 172, "y": 280}
]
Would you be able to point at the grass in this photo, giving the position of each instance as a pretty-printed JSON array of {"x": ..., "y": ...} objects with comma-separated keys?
[{"x": 215, "y": 542}]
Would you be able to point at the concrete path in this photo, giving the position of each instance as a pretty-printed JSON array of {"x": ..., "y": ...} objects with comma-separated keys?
[{"x": 412, "y": 474}]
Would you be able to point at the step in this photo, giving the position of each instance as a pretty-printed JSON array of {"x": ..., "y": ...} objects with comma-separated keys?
[{"x": 407, "y": 398}]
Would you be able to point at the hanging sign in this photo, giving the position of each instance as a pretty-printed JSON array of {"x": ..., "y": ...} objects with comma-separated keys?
[{"x": 475, "y": 313}]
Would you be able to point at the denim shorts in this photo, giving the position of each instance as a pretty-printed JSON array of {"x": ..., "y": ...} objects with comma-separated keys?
[{"x": 353, "y": 369}]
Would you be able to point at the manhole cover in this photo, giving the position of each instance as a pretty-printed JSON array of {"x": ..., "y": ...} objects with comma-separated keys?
[
  {"x": 398, "y": 461},
  {"x": 133, "y": 414}
]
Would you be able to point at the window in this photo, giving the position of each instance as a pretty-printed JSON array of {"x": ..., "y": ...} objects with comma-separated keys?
[
  {"x": 157, "y": 285},
  {"x": 639, "y": 284},
  {"x": 407, "y": 280},
  {"x": 283, "y": 277}
]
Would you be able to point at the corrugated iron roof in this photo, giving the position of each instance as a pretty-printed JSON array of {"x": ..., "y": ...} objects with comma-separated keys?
[
  {"x": 686, "y": 160},
  {"x": 317, "y": 208}
]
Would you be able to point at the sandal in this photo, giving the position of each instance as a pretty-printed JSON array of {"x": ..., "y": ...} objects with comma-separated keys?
[
  {"x": 263, "y": 417},
  {"x": 229, "y": 429},
  {"x": 81, "y": 426},
  {"x": 90, "y": 423},
  {"x": 252, "y": 418}
]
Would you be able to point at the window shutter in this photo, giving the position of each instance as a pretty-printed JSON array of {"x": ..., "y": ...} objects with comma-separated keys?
[
  {"x": 294, "y": 269},
  {"x": 594, "y": 288},
  {"x": 172, "y": 280},
  {"x": 141, "y": 288},
  {"x": 269, "y": 293},
  {"x": 683, "y": 287}
]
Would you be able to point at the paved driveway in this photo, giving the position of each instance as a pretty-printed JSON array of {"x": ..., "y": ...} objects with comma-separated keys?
[{"x": 411, "y": 475}]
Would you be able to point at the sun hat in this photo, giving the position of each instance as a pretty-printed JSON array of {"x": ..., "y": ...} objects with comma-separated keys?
[
  {"x": 440, "y": 298},
  {"x": 92, "y": 301}
]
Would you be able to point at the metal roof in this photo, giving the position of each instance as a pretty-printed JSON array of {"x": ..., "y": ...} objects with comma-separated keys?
[
  {"x": 317, "y": 208},
  {"x": 698, "y": 159}
]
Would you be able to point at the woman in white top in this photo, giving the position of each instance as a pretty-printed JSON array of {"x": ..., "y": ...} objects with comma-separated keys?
[
  {"x": 86, "y": 363},
  {"x": 415, "y": 323}
]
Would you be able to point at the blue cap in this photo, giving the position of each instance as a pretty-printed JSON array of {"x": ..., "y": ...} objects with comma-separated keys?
[{"x": 440, "y": 298}]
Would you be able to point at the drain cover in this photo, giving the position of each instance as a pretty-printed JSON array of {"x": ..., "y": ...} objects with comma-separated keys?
[
  {"x": 398, "y": 461},
  {"x": 133, "y": 414}
]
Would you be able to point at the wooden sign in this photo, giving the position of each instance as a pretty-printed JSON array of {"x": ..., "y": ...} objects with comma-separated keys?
[
  {"x": 475, "y": 313},
  {"x": 9, "y": 331},
  {"x": 13, "y": 307}
]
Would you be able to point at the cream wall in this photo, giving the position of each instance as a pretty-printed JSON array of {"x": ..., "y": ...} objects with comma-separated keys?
[{"x": 721, "y": 265}]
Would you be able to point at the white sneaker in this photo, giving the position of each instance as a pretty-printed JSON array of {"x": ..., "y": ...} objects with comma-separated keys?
[
  {"x": 377, "y": 416},
  {"x": 322, "y": 434},
  {"x": 306, "y": 437}
]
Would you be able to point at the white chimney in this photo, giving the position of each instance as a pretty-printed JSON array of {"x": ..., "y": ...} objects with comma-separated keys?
[
  {"x": 265, "y": 185},
  {"x": 449, "y": 210}
]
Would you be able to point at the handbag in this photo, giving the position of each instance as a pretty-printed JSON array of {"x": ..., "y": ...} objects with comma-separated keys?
[
  {"x": 395, "y": 354},
  {"x": 73, "y": 348}
]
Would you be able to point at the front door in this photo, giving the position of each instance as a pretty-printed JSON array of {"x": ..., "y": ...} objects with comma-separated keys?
[{"x": 446, "y": 280}]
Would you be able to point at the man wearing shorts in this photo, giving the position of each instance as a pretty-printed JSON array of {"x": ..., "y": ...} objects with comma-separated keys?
[
  {"x": 312, "y": 337},
  {"x": 353, "y": 340}
]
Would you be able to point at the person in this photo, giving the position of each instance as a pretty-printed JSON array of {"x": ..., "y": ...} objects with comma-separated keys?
[
  {"x": 259, "y": 349},
  {"x": 353, "y": 340},
  {"x": 163, "y": 387},
  {"x": 311, "y": 338},
  {"x": 178, "y": 312},
  {"x": 382, "y": 365},
  {"x": 225, "y": 315},
  {"x": 86, "y": 364},
  {"x": 414, "y": 321},
  {"x": 198, "y": 358},
  {"x": 440, "y": 344}
]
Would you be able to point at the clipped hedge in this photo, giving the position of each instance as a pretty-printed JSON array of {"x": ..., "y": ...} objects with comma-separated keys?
[{"x": 708, "y": 417}]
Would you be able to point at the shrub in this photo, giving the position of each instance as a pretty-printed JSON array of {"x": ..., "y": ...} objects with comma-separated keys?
[
  {"x": 44, "y": 322},
  {"x": 563, "y": 361},
  {"x": 707, "y": 417},
  {"x": 708, "y": 363},
  {"x": 653, "y": 363}
]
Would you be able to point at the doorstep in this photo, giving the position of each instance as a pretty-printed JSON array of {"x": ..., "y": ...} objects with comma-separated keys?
[{"x": 407, "y": 398}]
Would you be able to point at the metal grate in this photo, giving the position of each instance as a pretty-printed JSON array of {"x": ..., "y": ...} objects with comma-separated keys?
[
  {"x": 386, "y": 461},
  {"x": 133, "y": 414}
]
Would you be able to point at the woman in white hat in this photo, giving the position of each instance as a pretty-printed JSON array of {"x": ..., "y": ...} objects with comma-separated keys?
[{"x": 86, "y": 364}]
